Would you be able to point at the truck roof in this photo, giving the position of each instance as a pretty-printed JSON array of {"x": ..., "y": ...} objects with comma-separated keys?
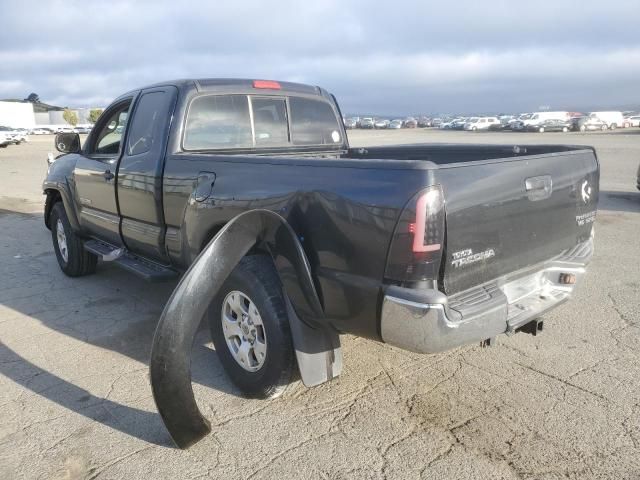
[{"x": 240, "y": 85}]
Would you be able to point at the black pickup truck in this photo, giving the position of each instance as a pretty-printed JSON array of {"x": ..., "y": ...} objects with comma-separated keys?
[{"x": 285, "y": 237}]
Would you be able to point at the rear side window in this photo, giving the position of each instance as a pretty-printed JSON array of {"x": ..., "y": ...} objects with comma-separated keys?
[
  {"x": 218, "y": 121},
  {"x": 146, "y": 122},
  {"x": 270, "y": 121},
  {"x": 313, "y": 122}
]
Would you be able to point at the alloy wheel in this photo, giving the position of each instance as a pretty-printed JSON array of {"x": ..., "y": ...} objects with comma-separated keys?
[{"x": 244, "y": 331}]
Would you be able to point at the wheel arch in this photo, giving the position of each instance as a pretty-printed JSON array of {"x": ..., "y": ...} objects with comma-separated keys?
[
  {"x": 53, "y": 197},
  {"x": 316, "y": 343},
  {"x": 55, "y": 193}
]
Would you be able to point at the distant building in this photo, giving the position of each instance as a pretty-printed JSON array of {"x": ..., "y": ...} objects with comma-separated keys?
[
  {"x": 17, "y": 115},
  {"x": 20, "y": 114}
]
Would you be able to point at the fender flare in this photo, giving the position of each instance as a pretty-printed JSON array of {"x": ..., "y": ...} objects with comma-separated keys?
[
  {"x": 317, "y": 344},
  {"x": 61, "y": 189}
]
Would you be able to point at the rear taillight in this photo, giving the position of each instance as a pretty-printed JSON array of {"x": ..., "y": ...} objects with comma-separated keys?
[
  {"x": 417, "y": 243},
  {"x": 427, "y": 235}
]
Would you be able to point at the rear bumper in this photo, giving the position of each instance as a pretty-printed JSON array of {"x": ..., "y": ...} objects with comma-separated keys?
[{"x": 427, "y": 321}]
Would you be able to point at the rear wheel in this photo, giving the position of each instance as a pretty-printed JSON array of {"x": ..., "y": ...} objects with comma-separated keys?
[
  {"x": 541, "y": 129},
  {"x": 73, "y": 259},
  {"x": 565, "y": 129},
  {"x": 613, "y": 126},
  {"x": 250, "y": 329},
  {"x": 583, "y": 128}
]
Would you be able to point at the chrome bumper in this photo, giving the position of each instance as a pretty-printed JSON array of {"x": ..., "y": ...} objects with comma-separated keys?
[{"x": 427, "y": 321}]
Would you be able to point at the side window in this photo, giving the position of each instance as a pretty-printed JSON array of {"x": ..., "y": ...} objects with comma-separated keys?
[
  {"x": 218, "y": 121},
  {"x": 270, "y": 121},
  {"x": 313, "y": 122},
  {"x": 147, "y": 122},
  {"x": 111, "y": 131}
]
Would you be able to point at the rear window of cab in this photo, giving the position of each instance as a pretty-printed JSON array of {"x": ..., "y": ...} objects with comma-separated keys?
[{"x": 221, "y": 122}]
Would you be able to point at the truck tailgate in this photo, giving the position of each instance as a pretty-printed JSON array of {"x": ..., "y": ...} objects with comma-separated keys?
[{"x": 506, "y": 215}]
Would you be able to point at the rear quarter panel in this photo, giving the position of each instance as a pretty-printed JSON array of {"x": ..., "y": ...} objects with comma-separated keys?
[{"x": 344, "y": 213}]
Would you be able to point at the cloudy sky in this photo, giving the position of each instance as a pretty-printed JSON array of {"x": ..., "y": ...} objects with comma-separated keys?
[{"x": 379, "y": 57}]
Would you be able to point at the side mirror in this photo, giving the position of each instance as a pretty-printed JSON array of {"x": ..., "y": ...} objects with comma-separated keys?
[{"x": 67, "y": 142}]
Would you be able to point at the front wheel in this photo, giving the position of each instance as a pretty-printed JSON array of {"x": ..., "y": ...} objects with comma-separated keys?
[
  {"x": 613, "y": 126},
  {"x": 604, "y": 127},
  {"x": 250, "y": 329},
  {"x": 565, "y": 129},
  {"x": 73, "y": 259},
  {"x": 541, "y": 129}
]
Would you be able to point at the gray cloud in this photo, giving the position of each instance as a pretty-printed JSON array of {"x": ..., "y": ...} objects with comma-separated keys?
[{"x": 380, "y": 57}]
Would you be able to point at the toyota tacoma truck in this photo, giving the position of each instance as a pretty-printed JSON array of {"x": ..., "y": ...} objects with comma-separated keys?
[{"x": 284, "y": 237}]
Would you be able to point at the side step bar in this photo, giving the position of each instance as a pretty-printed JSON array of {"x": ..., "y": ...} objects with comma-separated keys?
[{"x": 148, "y": 270}]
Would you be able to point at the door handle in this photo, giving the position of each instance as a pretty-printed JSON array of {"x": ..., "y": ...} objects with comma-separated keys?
[{"x": 108, "y": 175}]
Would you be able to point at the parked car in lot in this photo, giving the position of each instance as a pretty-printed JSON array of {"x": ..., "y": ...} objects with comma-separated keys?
[
  {"x": 41, "y": 131},
  {"x": 395, "y": 124},
  {"x": 450, "y": 124},
  {"x": 382, "y": 124},
  {"x": 587, "y": 123},
  {"x": 367, "y": 123},
  {"x": 249, "y": 189},
  {"x": 410, "y": 122},
  {"x": 13, "y": 135},
  {"x": 550, "y": 125},
  {"x": 633, "y": 121},
  {"x": 424, "y": 122},
  {"x": 350, "y": 123},
  {"x": 459, "y": 123},
  {"x": 64, "y": 130},
  {"x": 481, "y": 123},
  {"x": 20, "y": 135},
  {"x": 505, "y": 123},
  {"x": 82, "y": 130},
  {"x": 612, "y": 120},
  {"x": 435, "y": 123},
  {"x": 5, "y": 140}
]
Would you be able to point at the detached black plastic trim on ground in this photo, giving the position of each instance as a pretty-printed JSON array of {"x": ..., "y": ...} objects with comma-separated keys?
[{"x": 170, "y": 366}]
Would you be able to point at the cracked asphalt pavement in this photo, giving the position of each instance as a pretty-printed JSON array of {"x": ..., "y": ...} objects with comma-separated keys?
[{"x": 75, "y": 399}]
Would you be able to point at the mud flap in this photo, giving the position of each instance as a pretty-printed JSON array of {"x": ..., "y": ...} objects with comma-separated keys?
[{"x": 317, "y": 345}]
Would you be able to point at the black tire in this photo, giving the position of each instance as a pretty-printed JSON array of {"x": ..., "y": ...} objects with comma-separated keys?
[
  {"x": 79, "y": 262},
  {"x": 255, "y": 277}
]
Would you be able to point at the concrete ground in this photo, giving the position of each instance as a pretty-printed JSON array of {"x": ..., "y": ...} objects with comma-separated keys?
[{"x": 75, "y": 400}]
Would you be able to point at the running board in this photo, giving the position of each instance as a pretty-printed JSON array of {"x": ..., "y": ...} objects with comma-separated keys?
[{"x": 148, "y": 270}]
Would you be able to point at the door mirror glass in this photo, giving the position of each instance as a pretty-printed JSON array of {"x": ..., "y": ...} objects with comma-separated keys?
[{"x": 68, "y": 142}]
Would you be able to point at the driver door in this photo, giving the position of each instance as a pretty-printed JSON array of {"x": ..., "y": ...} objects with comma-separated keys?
[{"x": 95, "y": 175}]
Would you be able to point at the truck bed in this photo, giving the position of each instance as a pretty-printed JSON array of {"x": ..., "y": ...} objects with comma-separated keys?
[{"x": 507, "y": 207}]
